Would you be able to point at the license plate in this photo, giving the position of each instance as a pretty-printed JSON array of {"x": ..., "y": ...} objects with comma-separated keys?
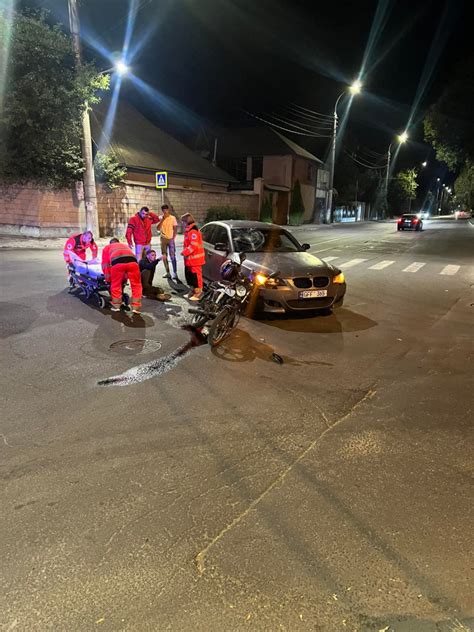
[{"x": 313, "y": 293}]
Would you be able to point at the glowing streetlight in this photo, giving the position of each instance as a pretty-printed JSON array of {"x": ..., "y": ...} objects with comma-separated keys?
[
  {"x": 121, "y": 68},
  {"x": 402, "y": 138},
  {"x": 354, "y": 89},
  {"x": 438, "y": 179},
  {"x": 424, "y": 163}
]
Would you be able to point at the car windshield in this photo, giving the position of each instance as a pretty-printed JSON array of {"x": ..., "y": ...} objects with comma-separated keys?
[
  {"x": 409, "y": 217},
  {"x": 263, "y": 240}
]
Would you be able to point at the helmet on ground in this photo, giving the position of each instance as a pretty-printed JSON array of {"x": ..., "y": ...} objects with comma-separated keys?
[{"x": 229, "y": 270}]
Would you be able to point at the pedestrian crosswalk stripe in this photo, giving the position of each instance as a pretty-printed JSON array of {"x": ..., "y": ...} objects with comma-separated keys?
[
  {"x": 330, "y": 258},
  {"x": 381, "y": 265},
  {"x": 414, "y": 267},
  {"x": 450, "y": 270},
  {"x": 351, "y": 263}
]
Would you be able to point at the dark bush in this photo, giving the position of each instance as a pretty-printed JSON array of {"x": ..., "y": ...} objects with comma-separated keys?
[{"x": 222, "y": 212}]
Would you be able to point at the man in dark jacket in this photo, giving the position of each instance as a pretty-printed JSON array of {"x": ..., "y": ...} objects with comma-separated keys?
[{"x": 148, "y": 264}]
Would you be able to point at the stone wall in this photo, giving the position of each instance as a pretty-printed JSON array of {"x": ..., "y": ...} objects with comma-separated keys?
[{"x": 34, "y": 212}]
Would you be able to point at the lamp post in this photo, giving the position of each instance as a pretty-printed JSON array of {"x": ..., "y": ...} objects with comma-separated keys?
[
  {"x": 401, "y": 138},
  {"x": 354, "y": 88}
]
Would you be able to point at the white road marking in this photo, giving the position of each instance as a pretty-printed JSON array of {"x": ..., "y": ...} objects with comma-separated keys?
[
  {"x": 450, "y": 270},
  {"x": 324, "y": 250},
  {"x": 414, "y": 267},
  {"x": 381, "y": 265},
  {"x": 351, "y": 263},
  {"x": 330, "y": 258}
]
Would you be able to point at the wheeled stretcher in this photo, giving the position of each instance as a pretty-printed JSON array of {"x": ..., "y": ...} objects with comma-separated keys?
[{"x": 90, "y": 280}]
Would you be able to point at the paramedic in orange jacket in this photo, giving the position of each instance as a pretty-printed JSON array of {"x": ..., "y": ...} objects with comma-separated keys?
[
  {"x": 76, "y": 247},
  {"x": 194, "y": 256},
  {"x": 139, "y": 230},
  {"x": 119, "y": 264}
]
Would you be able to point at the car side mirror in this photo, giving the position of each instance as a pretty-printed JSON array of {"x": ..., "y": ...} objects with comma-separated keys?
[
  {"x": 221, "y": 247},
  {"x": 305, "y": 246}
]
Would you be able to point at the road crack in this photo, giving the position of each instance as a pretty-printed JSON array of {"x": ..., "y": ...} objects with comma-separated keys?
[{"x": 200, "y": 557}]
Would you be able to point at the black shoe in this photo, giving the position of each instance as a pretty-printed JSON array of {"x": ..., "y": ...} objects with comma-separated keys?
[{"x": 167, "y": 276}]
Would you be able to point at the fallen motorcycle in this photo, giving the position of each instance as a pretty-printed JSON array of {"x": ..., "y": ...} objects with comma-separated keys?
[{"x": 222, "y": 302}]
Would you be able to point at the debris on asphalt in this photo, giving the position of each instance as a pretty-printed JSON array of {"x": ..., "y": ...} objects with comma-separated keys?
[{"x": 277, "y": 358}]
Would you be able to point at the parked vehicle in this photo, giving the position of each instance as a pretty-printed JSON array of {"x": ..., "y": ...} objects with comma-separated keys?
[
  {"x": 222, "y": 302},
  {"x": 409, "y": 222},
  {"x": 303, "y": 283},
  {"x": 463, "y": 214}
]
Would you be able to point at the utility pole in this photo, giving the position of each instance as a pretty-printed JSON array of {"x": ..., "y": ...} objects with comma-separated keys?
[
  {"x": 90, "y": 194},
  {"x": 332, "y": 166}
]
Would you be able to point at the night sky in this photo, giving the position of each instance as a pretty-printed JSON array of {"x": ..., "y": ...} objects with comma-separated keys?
[{"x": 219, "y": 58}]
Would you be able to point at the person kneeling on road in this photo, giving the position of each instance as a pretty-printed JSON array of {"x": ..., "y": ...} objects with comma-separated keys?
[
  {"x": 119, "y": 263},
  {"x": 194, "y": 256},
  {"x": 148, "y": 264}
]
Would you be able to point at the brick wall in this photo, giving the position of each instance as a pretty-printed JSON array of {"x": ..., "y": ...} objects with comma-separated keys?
[
  {"x": 117, "y": 206},
  {"x": 31, "y": 211}
]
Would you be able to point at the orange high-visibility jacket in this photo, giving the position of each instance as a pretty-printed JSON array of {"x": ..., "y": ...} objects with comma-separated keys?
[
  {"x": 139, "y": 230},
  {"x": 116, "y": 253},
  {"x": 193, "y": 251},
  {"x": 77, "y": 246}
]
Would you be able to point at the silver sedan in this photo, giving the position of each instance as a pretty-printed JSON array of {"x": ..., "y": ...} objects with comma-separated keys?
[{"x": 289, "y": 278}]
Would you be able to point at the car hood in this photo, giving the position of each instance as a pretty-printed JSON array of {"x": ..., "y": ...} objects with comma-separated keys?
[{"x": 287, "y": 264}]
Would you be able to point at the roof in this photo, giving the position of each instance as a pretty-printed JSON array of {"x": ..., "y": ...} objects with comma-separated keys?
[
  {"x": 140, "y": 144},
  {"x": 257, "y": 141}
]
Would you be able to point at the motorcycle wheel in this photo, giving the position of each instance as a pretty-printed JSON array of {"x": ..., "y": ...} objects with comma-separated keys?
[
  {"x": 199, "y": 320},
  {"x": 221, "y": 327}
]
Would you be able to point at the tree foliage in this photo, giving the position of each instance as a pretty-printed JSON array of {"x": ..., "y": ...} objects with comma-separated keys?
[
  {"x": 402, "y": 189},
  {"x": 45, "y": 96},
  {"x": 109, "y": 170},
  {"x": 449, "y": 123},
  {"x": 296, "y": 205},
  {"x": 464, "y": 185}
]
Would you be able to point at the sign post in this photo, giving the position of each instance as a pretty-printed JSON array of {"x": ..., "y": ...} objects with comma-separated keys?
[{"x": 161, "y": 182}]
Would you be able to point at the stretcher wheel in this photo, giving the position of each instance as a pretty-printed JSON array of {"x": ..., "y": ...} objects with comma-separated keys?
[
  {"x": 87, "y": 292},
  {"x": 100, "y": 301},
  {"x": 71, "y": 282}
]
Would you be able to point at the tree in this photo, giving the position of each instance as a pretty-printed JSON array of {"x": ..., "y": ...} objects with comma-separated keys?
[
  {"x": 296, "y": 205},
  {"x": 464, "y": 185},
  {"x": 108, "y": 169},
  {"x": 402, "y": 190},
  {"x": 45, "y": 96},
  {"x": 449, "y": 124}
]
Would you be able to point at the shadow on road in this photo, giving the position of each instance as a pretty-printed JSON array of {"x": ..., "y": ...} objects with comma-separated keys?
[
  {"x": 241, "y": 347},
  {"x": 15, "y": 319},
  {"x": 344, "y": 320}
]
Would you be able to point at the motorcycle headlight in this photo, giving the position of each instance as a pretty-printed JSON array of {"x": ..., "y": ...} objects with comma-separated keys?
[
  {"x": 240, "y": 290},
  {"x": 339, "y": 278}
]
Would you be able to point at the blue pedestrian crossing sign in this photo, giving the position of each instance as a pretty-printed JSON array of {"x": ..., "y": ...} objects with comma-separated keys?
[{"x": 161, "y": 178}]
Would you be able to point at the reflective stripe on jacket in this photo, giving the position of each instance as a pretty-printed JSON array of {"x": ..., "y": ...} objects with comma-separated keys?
[
  {"x": 193, "y": 251},
  {"x": 116, "y": 253}
]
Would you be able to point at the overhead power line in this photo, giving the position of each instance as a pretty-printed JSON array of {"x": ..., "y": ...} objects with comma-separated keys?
[{"x": 285, "y": 129}]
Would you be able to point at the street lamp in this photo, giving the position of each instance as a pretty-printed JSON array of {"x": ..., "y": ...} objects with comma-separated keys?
[
  {"x": 424, "y": 163},
  {"x": 120, "y": 67},
  {"x": 354, "y": 89},
  {"x": 401, "y": 138}
]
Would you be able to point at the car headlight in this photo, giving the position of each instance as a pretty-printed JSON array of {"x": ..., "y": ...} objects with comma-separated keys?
[
  {"x": 339, "y": 278},
  {"x": 260, "y": 279},
  {"x": 240, "y": 290}
]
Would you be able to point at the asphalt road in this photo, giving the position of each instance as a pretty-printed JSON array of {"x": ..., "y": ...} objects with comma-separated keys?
[{"x": 225, "y": 491}]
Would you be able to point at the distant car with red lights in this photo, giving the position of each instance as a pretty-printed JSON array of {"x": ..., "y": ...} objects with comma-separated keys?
[
  {"x": 409, "y": 222},
  {"x": 463, "y": 214}
]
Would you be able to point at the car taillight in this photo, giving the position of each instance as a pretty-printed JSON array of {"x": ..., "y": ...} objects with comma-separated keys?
[
  {"x": 415, "y": 221},
  {"x": 399, "y": 220}
]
